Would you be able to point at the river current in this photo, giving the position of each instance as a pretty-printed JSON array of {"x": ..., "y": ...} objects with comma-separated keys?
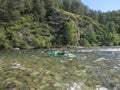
[{"x": 95, "y": 68}]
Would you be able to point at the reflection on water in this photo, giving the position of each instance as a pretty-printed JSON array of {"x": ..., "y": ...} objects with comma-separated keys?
[{"x": 96, "y": 68}]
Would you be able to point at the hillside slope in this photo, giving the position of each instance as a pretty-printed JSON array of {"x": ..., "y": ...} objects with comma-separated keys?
[
  {"x": 28, "y": 24},
  {"x": 83, "y": 25},
  {"x": 61, "y": 28}
]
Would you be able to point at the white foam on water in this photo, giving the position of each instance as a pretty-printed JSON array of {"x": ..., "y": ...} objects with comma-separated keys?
[
  {"x": 84, "y": 57},
  {"x": 116, "y": 67},
  {"x": 86, "y": 50},
  {"x": 75, "y": 86},
  {"x": 100, "y": 59},
  {"x": 105, "y": 49},
  {"x": 110, "y": 49},
  {"x": 98, "y": 87},
  {"x": 118, "y": 64},
  {"x": 16, "y": 65}
]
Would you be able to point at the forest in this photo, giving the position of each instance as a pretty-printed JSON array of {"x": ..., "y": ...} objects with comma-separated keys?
[{"x": 32, "y": 24}]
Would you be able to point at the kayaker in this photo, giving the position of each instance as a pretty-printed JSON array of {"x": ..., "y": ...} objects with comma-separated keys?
[{"x": 62, "y": 52}]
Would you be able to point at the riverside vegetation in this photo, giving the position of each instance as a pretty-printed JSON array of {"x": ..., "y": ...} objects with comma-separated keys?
[{"x": 29, "y": 24}]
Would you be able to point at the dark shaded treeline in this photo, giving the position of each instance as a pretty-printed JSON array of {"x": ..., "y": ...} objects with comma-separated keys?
[{"x": 55, "y": 23}]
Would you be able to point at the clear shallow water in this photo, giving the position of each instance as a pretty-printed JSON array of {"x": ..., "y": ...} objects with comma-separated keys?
[{"x": 36, "y": 70}]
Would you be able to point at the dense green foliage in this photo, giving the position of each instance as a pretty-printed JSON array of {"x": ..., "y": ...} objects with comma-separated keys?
[
  {"x": 70, "y": 33},
  {"x": 55, "y": 23},
  {"x": 111, "y": 23}
]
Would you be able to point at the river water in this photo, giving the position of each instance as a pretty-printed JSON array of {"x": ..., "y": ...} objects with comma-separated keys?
[{"x": 96, "y": 68}]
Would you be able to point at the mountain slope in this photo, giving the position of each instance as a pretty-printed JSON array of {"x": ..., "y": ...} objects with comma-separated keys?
[
  {"x": 62, "y": 28},
  {"x": 50, "y": 23}
]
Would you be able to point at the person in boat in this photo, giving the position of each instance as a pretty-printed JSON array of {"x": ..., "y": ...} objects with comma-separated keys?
[{"x": 62, "y": 52}]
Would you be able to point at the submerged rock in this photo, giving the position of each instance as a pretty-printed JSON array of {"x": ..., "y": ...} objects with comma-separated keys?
[{"x": 11, "y": 85}]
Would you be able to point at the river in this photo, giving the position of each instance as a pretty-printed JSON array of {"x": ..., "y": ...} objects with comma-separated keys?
[{"x": 95, "y": 68}]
